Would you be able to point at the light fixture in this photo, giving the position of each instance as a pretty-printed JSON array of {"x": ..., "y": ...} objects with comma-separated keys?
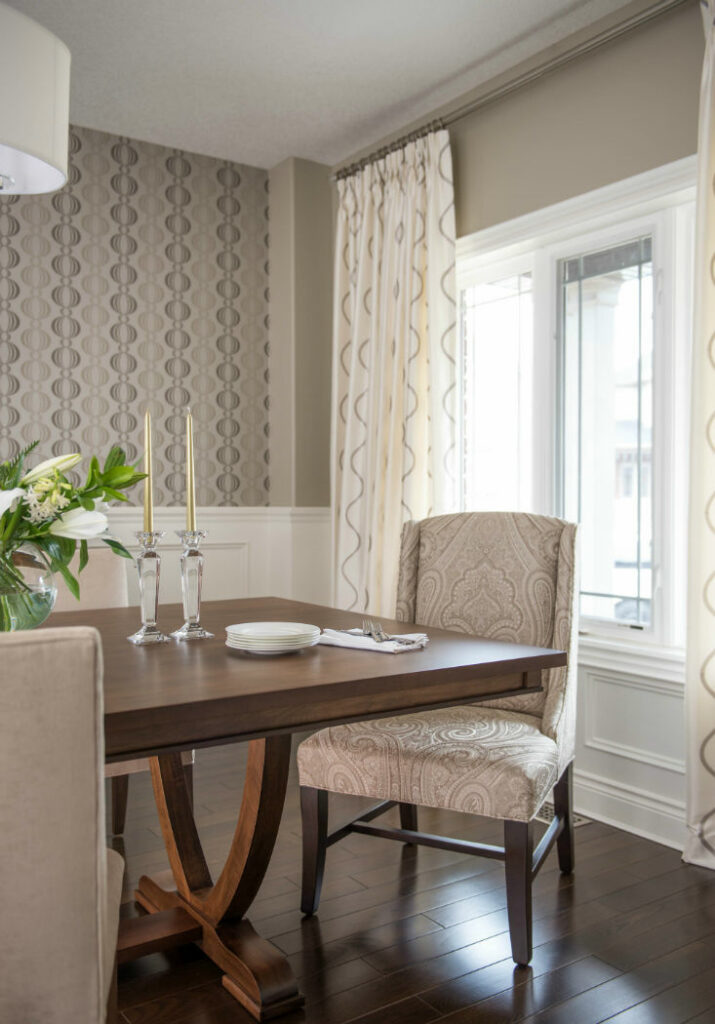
[{"x": 34, "y": 106}]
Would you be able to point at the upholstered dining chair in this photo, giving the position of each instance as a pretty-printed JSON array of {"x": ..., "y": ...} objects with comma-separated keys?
[
  {"x": 507, "y": 577},
  {"x": 103, "y": 584},
  {"x": 60, "y": 887}
]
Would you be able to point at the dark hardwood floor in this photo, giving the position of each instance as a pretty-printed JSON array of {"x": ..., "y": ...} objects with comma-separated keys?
[{"x": 407, "y": 935}]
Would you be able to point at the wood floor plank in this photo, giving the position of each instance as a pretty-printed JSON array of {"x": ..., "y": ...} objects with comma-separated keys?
[
  {"x": 408, "y": 935},
  {"x": 621, "y": 993},
  {"x": 676, "y": 1005},
  {"x": 527, "y": 994}
]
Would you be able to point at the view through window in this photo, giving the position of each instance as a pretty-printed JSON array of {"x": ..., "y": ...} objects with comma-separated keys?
[
  {"x": 497, "y": 334},
  {"x": 606, "y": 325}
]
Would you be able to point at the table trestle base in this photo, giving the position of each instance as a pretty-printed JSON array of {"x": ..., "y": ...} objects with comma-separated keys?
[{"x": 256, "y": 973}]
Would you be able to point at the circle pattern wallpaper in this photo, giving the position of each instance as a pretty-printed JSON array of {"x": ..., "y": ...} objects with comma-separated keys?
[{"x": 142, "y": 284}]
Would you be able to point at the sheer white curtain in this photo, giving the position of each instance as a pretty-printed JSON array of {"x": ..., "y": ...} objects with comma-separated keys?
[
  {"x": 394, "y": 370},
  {"x": 700, "y": 672}
]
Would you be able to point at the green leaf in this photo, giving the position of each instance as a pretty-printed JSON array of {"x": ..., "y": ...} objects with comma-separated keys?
[
  {"x": 15, "y": 466},
  {"x": 83, "y": 554},
  {"x": 87, "y": 503},
  {"x": 72, "y": 584},
  {"x": 116, "y": 458},
  {"x": 114, "y": 495},
  {"x": 60, "y": 549},
  {"x": 118, "y": 476},
  {"x": 117, "y": 547},
  {"x": 93, "y": 474}
]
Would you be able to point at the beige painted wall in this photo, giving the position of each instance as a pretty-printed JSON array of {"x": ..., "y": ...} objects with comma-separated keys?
[
  {"x": 313, "y": 319},
  {"x": 625, "y": 108},
  {"x": 281, "y": 304},
  {"x": 300, "y": 311}
]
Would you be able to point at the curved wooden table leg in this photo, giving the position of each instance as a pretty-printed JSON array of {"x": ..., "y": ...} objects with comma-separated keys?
[{"x": 256, "y": 973}]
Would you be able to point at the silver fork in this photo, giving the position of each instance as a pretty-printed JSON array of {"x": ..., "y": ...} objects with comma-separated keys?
[{"x": 378, "y": 634}]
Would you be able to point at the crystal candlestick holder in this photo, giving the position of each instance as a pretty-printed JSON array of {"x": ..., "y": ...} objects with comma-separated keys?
[
  {"x": 192, "y": 567},
  {"x": 148, "y": 565}
]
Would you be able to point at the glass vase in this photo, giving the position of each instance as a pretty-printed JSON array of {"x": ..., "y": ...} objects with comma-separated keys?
[{"x": 27, "y": 589}]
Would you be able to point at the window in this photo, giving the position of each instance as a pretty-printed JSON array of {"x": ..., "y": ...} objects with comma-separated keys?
[
  {"x": 575, "y": 327},
  {"x": 497, "y": 331},
  {"x": 606, "y": 347}
]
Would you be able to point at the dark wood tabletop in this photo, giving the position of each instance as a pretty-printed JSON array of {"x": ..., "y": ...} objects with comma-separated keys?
[{"x": 185, "y": 694}]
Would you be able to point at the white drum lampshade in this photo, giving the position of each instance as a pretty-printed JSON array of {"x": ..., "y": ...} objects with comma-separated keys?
[{"x": 34, "y": 109}]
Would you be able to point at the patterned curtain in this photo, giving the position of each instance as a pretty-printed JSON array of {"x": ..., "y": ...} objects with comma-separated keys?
[
  {"x": 700, "y": 672},
  {"x": 394, "y": 368}
]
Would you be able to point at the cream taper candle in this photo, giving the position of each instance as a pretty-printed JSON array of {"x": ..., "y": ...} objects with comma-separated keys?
[
  {"x": 148, "y": 498},
  {"x": 190, "y": 480}
]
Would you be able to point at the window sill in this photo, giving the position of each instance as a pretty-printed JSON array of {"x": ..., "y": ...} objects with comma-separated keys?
[{"x": 651, "y": 661}]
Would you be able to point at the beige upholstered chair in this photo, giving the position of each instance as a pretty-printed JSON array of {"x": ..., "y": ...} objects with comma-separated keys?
[
  {"x": 59, "y": 886},
  {"x": 506, "y": 576},
  {"x": 103, "y": 584}
]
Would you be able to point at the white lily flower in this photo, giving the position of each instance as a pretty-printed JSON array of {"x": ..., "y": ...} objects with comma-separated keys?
[
  {"x": 79, "y": 524},
  {"x": 9, "y": 499},
  {"x": 60, "y": 462}
]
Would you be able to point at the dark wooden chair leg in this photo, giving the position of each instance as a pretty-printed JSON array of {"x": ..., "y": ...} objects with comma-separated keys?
[
  {"x": 408, "y": 818},
  {"x": 120, "y": 791},
  {"x": 519, "y": 848},
  {"x": 563, "y": 808},
  {"x": 314, "y": 815},
  {"x": 189, "y": 776}
]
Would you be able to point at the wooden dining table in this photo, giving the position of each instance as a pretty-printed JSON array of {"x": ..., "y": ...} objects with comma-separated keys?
[{"x": 165, "y": 698}]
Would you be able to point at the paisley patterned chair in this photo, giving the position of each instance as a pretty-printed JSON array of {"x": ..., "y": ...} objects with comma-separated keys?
[
  {"x": 103, "y": 584},
  {"x": 509, "y": 577}
]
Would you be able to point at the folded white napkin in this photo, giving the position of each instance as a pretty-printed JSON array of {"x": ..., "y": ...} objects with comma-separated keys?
[{"x": 357, "y": 639}]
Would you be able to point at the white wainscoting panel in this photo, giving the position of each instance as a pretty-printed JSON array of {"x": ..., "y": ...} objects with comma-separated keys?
[
  {"x": 630, "y": 748},
  {"x": 249, "y": 552}
]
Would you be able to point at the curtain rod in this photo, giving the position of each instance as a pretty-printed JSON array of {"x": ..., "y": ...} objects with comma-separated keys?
[
  {"x": 380, "y": 154},
  {"x": 505, "y": 88}
]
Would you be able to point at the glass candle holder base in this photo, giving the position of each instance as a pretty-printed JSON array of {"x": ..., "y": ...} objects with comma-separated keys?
[
  {"x": 148, "y": 568},
  {"x": 192, "y": 631},
  {"x": 192, "y": 568},
  {"x": 148, "y": 635}
]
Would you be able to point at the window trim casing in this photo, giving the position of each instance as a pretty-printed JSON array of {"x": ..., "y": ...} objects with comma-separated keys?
[{"x": 661, "y": 198}]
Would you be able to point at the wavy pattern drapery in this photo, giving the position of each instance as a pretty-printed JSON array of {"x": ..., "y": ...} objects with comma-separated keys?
[
  {"x": 700, "y": 670},
  {"x": 394, "y": 369}
]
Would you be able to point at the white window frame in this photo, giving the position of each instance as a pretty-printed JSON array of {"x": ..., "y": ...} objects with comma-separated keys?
[{"x": 660, "y": 203}]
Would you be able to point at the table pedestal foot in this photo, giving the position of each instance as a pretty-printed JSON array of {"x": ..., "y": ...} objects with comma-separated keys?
[{"x": 256, "y": 973}]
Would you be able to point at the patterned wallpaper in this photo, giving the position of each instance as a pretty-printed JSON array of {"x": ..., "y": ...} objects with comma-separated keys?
[{"x": 142, "y": 284}]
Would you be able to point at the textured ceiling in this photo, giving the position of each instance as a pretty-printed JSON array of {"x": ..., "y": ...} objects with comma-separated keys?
[{"x": 260, "y": 80}]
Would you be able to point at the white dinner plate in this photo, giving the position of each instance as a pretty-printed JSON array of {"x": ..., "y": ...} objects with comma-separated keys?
[
  {"x": 270, "y": 633},
  {"x": 287, "y": 648}
]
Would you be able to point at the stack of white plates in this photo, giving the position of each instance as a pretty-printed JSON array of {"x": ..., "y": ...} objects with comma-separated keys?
[{"x": 271, "y": 637}]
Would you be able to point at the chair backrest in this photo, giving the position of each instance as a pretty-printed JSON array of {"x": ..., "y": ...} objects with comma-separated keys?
[
  {"x": 503, "y": 575},
  {"x": 53, "y": 878},
  {"x": 102, "y": 583}
]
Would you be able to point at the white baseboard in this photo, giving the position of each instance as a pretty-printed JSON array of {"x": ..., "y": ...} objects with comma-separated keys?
[{"x": 630, "y": 808}]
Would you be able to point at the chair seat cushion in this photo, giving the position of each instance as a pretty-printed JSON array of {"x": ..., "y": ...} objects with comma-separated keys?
[{"x": 478, "y": 760}]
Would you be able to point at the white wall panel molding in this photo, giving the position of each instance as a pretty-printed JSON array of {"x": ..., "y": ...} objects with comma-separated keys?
[
  {"x": 630, "y": 807},
  {"x": 249, "y": 552},
  {"x": 598, "y": 721},
  {"x": 653, "y": 667},
  {"x": 630, "y": 741}
]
